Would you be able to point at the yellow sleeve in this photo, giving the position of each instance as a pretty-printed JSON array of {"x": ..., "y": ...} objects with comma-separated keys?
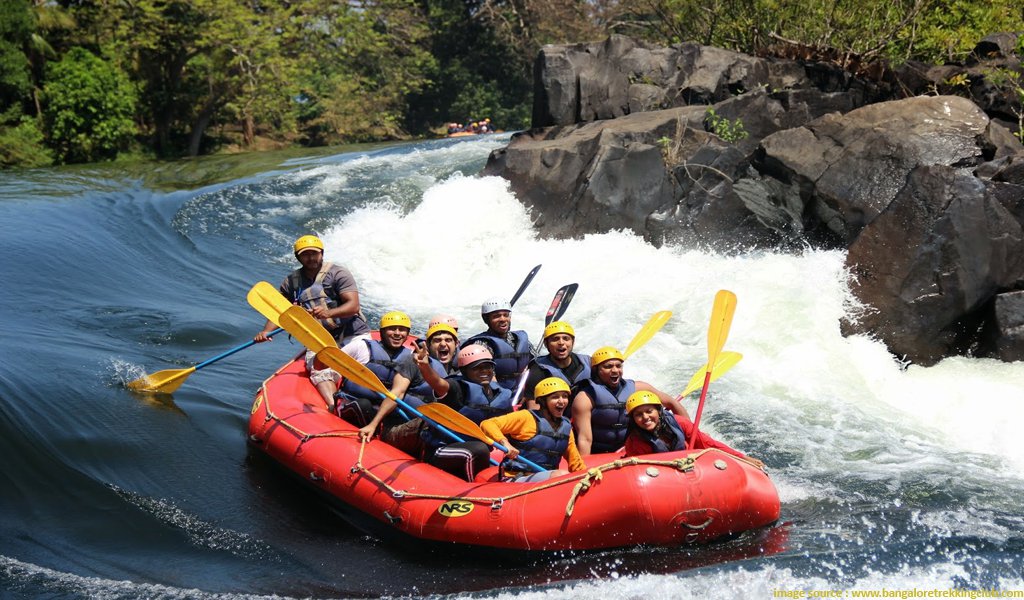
[
  {"x": 518, "y": 425},
  {"x": 572, "y": 456}
]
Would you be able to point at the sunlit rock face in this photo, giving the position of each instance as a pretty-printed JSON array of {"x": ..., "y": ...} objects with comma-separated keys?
[{"x": 700, "y": 146}]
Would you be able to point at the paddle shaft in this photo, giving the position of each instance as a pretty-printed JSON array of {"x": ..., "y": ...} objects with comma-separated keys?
[
  {"x": 235, "y": 349},
  {"x": 460, "y": 422},
  {"x": 700, "y": 407},
  {"x": 559, "y": 304},
  {"x": 353, "y": 369},
  {"x": 449, "y": 433},
  {"x": 408, "y": 407},
  {"x": 522, "y": 459}
]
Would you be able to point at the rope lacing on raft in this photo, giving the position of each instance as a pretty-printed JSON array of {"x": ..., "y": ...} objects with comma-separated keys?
[{"x": 583, "y": 480}]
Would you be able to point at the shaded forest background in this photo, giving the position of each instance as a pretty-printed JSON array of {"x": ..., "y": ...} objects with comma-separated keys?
[{"x": 83, "y": 81}]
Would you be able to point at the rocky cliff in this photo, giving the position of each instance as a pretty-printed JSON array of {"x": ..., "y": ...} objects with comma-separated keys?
[{"x": 706, "y": 147}]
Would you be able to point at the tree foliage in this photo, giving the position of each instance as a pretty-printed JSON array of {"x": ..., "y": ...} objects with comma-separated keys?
[
  {"x": 371, "y": 57},
  {"x": 21, "y": 141},
  {"x": 214, "y": 73},
  {"x": 89, "y": 108},
  {"x": 15, "y": 31},
  {"x": 898, "y": 30}
]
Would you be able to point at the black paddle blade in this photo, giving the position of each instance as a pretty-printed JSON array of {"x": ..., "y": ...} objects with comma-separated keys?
[
  {"x": 522, "y": 287},
  {"x": 560, "y": 303}
]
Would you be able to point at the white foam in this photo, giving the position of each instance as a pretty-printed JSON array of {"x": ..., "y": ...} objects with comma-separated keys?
[
  {"x": 766, "y": 582},
  {"x": 834, "y": 401}
]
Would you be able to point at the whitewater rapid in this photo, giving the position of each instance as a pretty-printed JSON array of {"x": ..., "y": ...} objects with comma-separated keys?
[{"x": 891, "y": 475}]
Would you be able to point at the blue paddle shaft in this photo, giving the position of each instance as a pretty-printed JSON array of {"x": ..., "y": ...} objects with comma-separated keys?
[
  {"x": 405, "y": 405},
  {"x": 234, "y": 350}
]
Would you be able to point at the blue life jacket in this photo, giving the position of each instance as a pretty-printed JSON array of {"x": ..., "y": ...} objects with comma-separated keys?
[
  {"x": 675, "y": 431},
  {"x": 608, "y": 419},
  {"x": 383, "y": 366},
  {"x": 422, "y": 391},
  {"x": 509, "y": 362},
  {"x": 477, "y": 407},
  {"x": 548, "y": 366},
  {"x": 546, "y": 448}
]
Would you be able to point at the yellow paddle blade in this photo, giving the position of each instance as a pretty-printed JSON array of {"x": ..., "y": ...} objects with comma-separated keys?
[
  {"x": 455, "y": 421},
  {"x": 653, "y": 325},
  {"x": 165, "y": 381},
  {"x": 352, "y": 369},
  {"x": 721, "y": 320},
  {"x": 268, "y": 301},
  {"x": 303, "y": 327},
  {"x": 725, "y": 361}
]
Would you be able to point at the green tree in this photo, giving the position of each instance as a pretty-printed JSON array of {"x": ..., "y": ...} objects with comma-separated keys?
[
  {"x": 363, "y": 60},
  {"x": 89, "y": 106},
  {"x": 155, "y": 40},
  {"x": 21, "y": 142},
  {"x": 485, "y": 51},
  {"x": 48, "y": 18},
  {"x": 15, "y": 31},
  {"x": 927, "y": 30},
  {"x": 949, "y": 29},
  {"x": 244, "y": 76}
]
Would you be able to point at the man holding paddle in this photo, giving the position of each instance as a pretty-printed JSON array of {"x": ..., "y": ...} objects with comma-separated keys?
[
  {"x": 387, "y": 359},
  {"x": 329, "y": 293},
  {"x": 438, "y": 353},
  {"x": 473, "y": 394}
]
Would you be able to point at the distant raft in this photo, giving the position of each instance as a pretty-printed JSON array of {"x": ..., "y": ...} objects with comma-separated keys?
[{"x": 667, "y": 499}]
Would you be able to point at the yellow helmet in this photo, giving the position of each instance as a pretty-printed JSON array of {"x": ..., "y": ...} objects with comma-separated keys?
[
  {"x": 306, "y": 242},
  {"x": 441, "y": 328},
  {"x": 548, "y": 386},
  {"x": 605, "y": 353},
  {"x": 395, "y": 318},
  {"x": 641, "y": 398},
  {"x": 559, "y": 327}
]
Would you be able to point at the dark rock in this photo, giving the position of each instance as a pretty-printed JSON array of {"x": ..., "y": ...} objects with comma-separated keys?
[
  {"x": 1008, "y": 324},
  {"x": 588, "y": 82},
  {"x": 1007, "y": 169},
  {"x": 851, "y": 166},
  {"x": 918, "y": 171},
  {"x": 595, "y": 176},
  {"x": 995, "y": 45},
  {"x": 928, "y": 264}
]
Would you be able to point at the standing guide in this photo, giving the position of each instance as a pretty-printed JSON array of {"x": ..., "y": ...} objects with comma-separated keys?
[{"x": 329, "y": 292}]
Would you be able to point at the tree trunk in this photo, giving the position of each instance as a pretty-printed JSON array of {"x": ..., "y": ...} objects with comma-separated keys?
[
  {"x": 248, "y": 130},
  {"x": 198, "y": 129}
]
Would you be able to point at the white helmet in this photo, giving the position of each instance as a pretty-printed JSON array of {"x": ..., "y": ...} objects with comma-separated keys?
[{"x": 493, "y": 305}]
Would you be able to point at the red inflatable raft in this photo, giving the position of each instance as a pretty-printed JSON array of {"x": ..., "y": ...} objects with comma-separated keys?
[{"x": 658, "y": 499}]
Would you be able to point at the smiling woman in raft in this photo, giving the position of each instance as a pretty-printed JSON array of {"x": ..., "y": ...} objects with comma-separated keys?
[
  {"x": 543, "y": 436},
  {"x": 652, "y": 430}
]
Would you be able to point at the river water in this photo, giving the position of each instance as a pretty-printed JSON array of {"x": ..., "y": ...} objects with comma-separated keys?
[{"x": 892, "y": 477}]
